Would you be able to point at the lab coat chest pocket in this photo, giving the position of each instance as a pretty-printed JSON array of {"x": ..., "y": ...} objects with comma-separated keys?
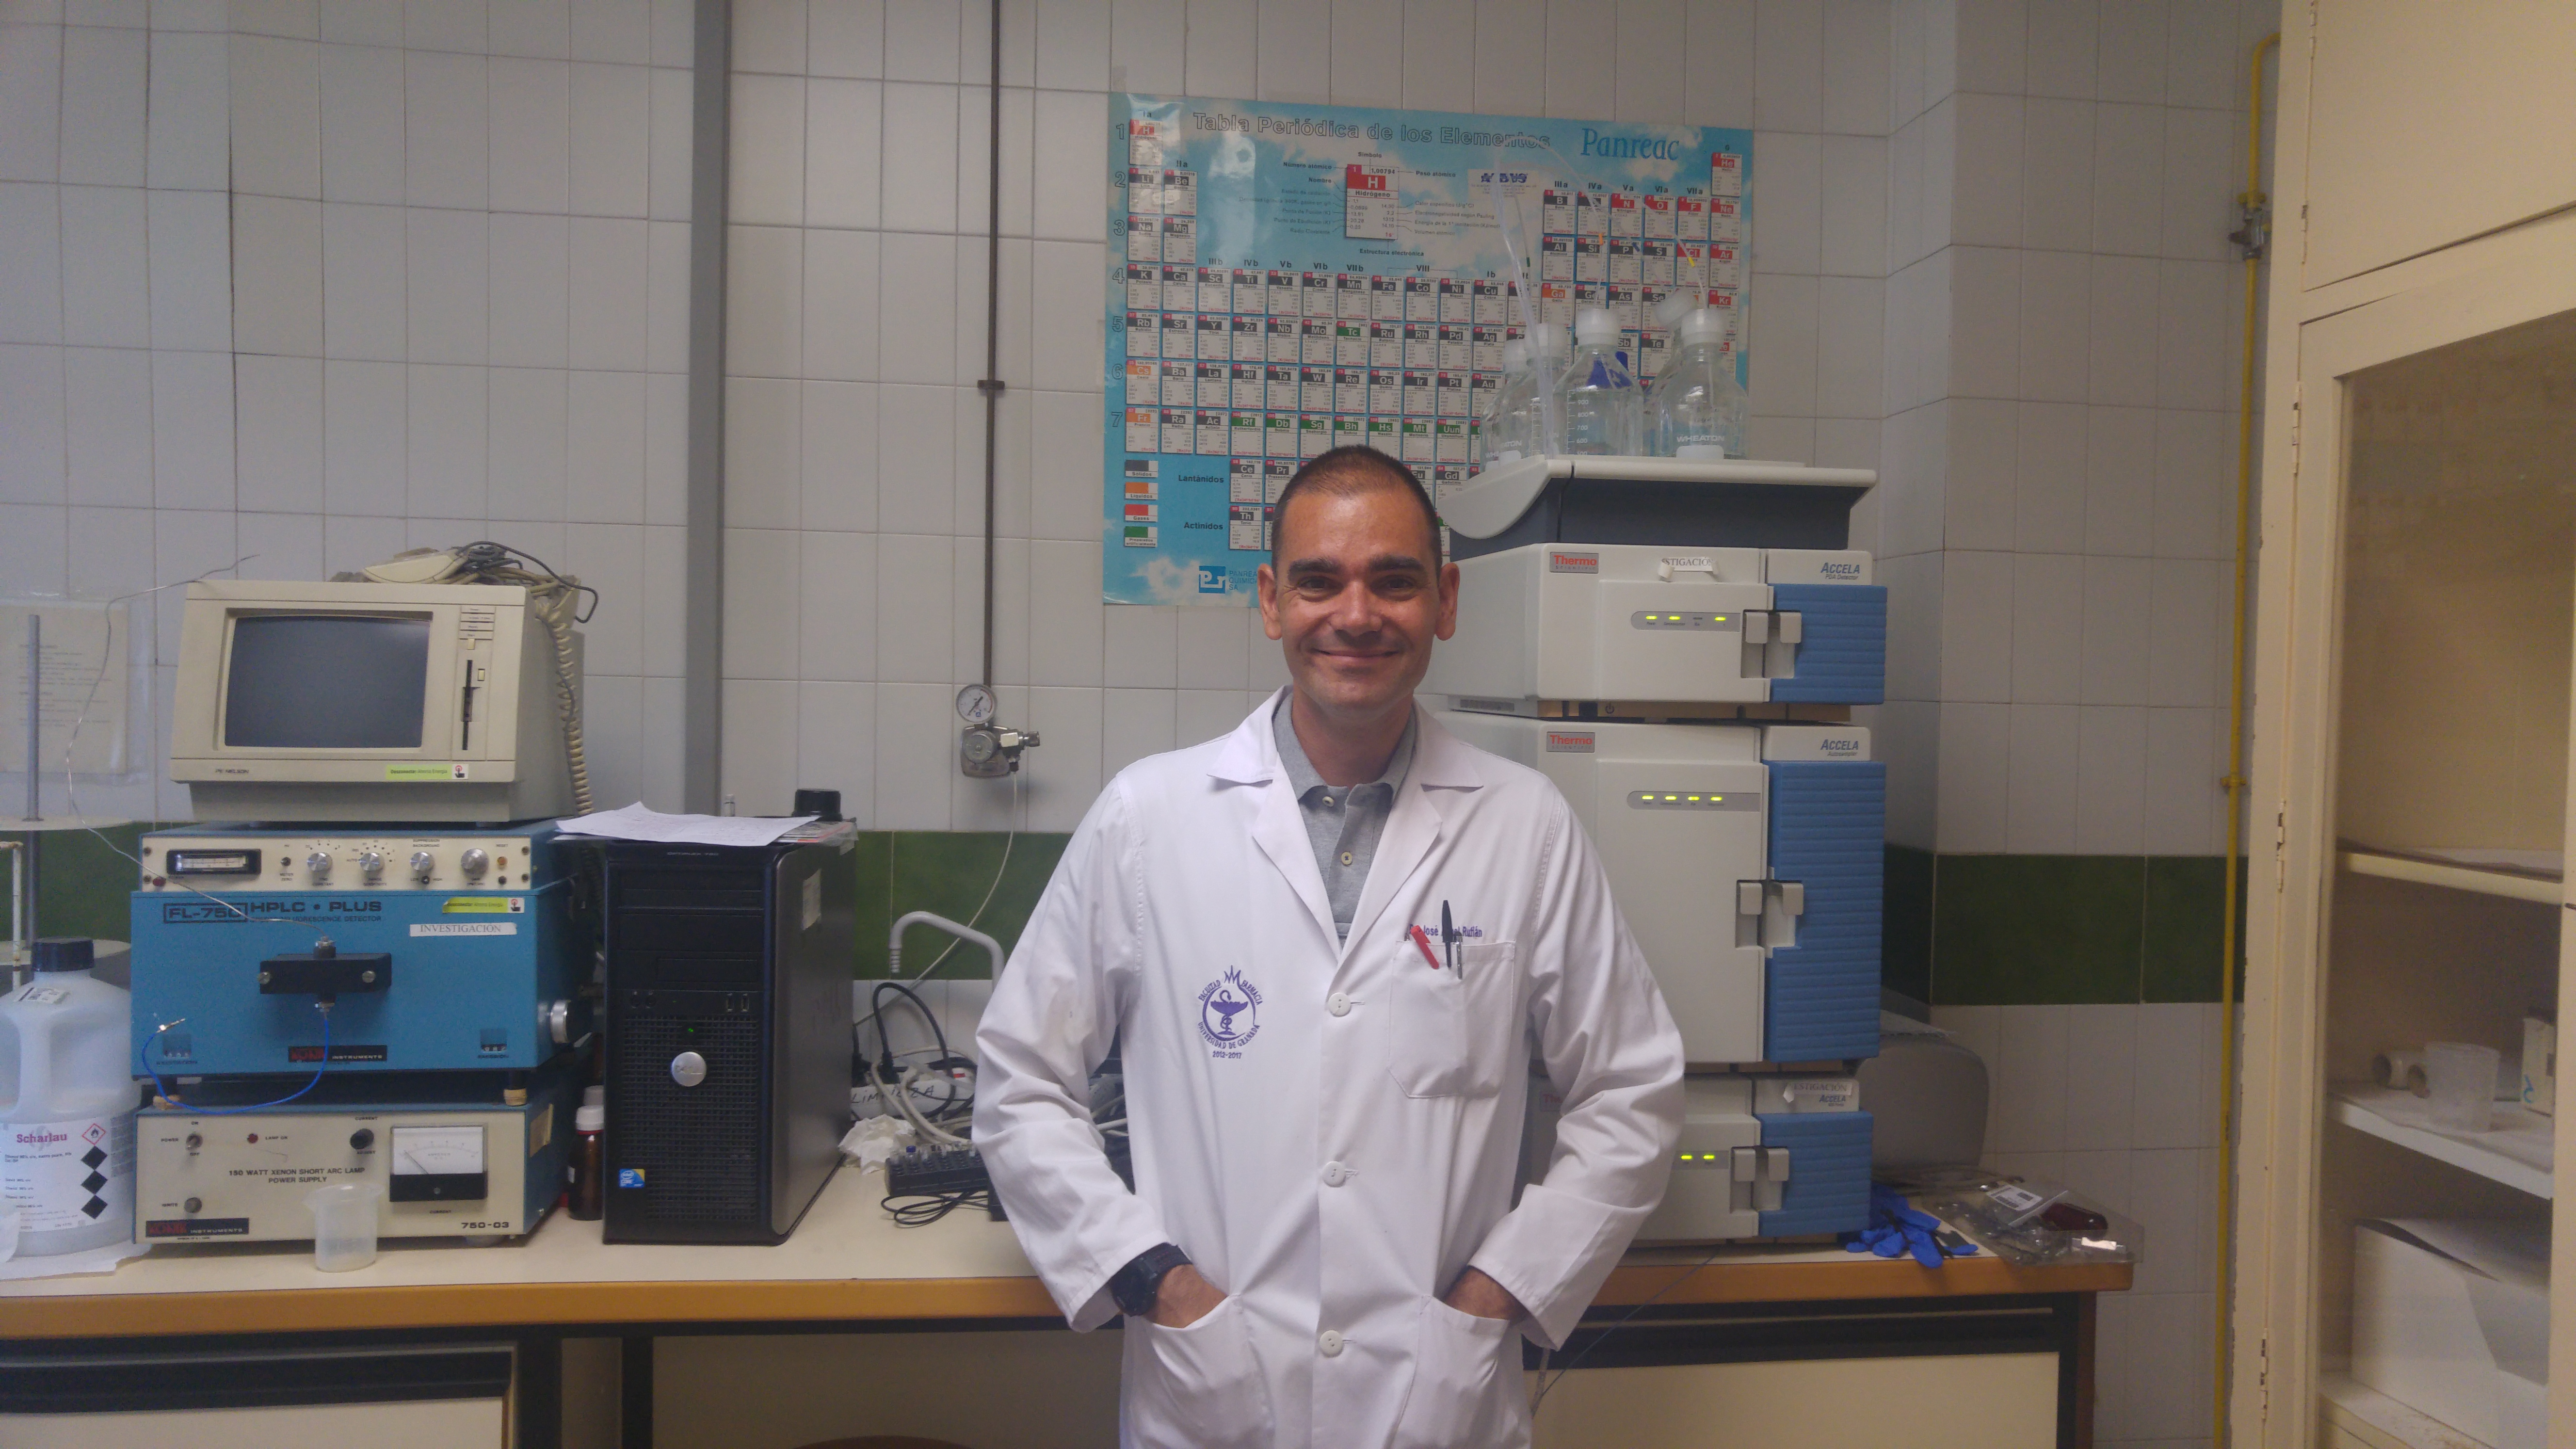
[{"x": 1455, "y": 1031}]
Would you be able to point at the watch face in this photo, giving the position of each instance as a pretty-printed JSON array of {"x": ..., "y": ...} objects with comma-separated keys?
[{"x": 975, "y": 704}]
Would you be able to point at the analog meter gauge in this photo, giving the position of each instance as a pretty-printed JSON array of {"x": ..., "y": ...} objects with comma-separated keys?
[{"x": 975, "y": 704}]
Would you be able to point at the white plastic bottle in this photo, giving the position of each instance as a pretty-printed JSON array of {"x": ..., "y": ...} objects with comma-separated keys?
[
  {"x": 67, "y": 1125},
  {"x": 1695, "y": 409},
  {"x": 1504, "y": 435},
  {"x": 1602, "y": 405}
]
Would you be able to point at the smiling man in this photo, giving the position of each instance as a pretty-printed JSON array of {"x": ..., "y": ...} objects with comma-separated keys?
[{"x": 1327, "y": 947}]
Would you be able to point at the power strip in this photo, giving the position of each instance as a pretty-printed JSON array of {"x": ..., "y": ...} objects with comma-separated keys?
[{"x": 918, "y": 1172}]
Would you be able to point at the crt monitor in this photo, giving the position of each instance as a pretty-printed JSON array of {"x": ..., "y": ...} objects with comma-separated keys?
[{"x": 368, "y": 701}]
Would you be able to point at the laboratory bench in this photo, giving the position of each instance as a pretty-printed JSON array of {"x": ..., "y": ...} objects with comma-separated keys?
[{"x": 849, "y": 1269}]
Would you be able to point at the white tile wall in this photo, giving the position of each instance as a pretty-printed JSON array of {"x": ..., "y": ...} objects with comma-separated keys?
[
  {"x": 856, "y": 318},
  {"x": 304, "y": 292},
  {"x": 452, "y": 237},
  {"x": 2120, "y": 1102},
  {"x": 2075, "y": 170}
]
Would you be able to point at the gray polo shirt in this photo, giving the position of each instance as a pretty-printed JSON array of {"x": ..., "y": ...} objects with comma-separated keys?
[{"x": 1343, "y": 824}]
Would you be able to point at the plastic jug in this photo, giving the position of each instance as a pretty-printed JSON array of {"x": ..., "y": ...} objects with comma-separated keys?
[{"x": 67, "y": 1122}]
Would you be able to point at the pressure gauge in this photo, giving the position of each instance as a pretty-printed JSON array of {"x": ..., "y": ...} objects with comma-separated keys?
[{"x": 975, "y": 704}]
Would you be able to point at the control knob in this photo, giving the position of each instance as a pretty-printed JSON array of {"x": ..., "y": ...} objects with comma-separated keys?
[
  {"x": 318, "y": 865},
  {"x": 371, "y": 864},
  {"x": 362, "y": 1139},
  {"x": 472, "y": 862},
  {"x": 423, "y": 866}
]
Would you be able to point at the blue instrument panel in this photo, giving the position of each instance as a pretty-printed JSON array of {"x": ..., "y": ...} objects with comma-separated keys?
[{"x": 231, "y": 982}]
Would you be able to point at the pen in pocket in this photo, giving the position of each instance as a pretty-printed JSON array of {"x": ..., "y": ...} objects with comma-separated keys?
[{"x": 1424, "y": 942}]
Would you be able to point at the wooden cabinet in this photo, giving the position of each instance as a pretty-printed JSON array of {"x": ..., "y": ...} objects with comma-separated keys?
[
  {"x": 2430, "y": 122},
  {"x": 2409, "y": 807}
]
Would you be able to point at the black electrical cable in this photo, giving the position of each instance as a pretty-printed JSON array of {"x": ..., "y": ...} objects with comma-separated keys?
[
  {"x": 876, "y": 1016},
  {"x": 921, "y": 1210},
  {"x": 498, "y": 555},
  {"x": 949, "y": 1106}
]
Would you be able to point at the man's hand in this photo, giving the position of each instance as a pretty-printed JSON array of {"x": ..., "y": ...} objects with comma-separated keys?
[
  {"x": 1184, "y": 1298},
  {"x": 1478, "y": 1295}
]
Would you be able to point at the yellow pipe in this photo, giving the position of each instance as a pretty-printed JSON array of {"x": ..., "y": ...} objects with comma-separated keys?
[{"x": 2235, "y": 780}]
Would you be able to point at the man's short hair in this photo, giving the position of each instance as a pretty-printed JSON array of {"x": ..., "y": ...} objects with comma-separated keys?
[{"x": 1347, "y": 472}]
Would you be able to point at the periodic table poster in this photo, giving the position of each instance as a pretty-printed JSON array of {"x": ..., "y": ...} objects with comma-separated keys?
[{"x": 1284, "y": 279}]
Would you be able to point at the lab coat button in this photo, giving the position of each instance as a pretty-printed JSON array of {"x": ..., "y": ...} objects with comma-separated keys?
[
  {"x": 1330, "y": 1342},
  {"x": 1338, "y": 1004},
  {"x": 1335, "y": 1174}
]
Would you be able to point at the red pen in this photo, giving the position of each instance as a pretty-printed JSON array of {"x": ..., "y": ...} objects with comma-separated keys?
[{"x": 1424, "y": 942}]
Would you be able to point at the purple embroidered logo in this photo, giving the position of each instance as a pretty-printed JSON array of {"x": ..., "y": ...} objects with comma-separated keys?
[{"x": 1229, "y": 1013}]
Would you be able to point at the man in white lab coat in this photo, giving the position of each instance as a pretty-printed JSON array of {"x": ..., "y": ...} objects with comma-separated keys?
[{"x": 1325, "y": 1091}]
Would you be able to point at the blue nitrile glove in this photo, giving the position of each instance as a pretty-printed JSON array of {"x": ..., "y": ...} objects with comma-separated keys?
[{"x": 1895, "y": 1227}]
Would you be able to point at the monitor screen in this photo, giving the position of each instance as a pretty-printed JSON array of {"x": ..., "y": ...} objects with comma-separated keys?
[{"x": 326, "y": 681}]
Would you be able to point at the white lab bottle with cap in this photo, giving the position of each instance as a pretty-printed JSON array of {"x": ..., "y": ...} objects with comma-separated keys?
[
  {"x": 1505, "y": 432},
  {"x": 67, "y": 1124},
  {"x": 1601, "y": 404},
  {"x": 1695, "y": 409}
]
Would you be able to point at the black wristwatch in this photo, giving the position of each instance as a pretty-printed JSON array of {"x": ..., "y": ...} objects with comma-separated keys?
[{"x": 1136, "y": 1285}]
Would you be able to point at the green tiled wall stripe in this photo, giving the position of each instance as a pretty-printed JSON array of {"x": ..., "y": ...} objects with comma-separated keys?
[
  {"x": 948, "y": 872},
  {"x": 1961, "y": 930},
  {"x": 85, "y": 885},
  {"x": 2046, "y": 930}
]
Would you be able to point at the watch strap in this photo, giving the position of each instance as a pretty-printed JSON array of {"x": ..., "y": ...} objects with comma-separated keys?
[{"x": 1136, "y": 1286}]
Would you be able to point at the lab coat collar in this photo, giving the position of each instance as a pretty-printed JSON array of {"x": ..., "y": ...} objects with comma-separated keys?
[{"x": 1441, "y": 762}]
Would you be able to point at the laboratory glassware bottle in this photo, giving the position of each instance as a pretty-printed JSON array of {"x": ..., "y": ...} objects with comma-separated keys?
[
  {"x": 67, "y": 1127},
  {"x": 1549, "y": 347},
  {"x": 1599, "y": 401},
  {"x": 1695, "y": 408},
  {"x": 587, "y": 1195},
  {"x": 1508, "y": 424}
]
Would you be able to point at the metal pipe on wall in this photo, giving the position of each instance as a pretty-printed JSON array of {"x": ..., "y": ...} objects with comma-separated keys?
[
  {"x": 33, "y": 853},
  {"x": 2256, "y": 208},
  {"x": 991, "y": 383},
  {"x": 702, "y": 638}
]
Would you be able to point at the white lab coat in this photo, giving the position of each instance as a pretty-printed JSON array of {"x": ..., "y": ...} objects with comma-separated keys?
[{"x": 1331, "y": 1131}]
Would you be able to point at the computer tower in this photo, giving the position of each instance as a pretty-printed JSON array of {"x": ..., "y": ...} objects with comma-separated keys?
[{"x": 728, "y": 1067}]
